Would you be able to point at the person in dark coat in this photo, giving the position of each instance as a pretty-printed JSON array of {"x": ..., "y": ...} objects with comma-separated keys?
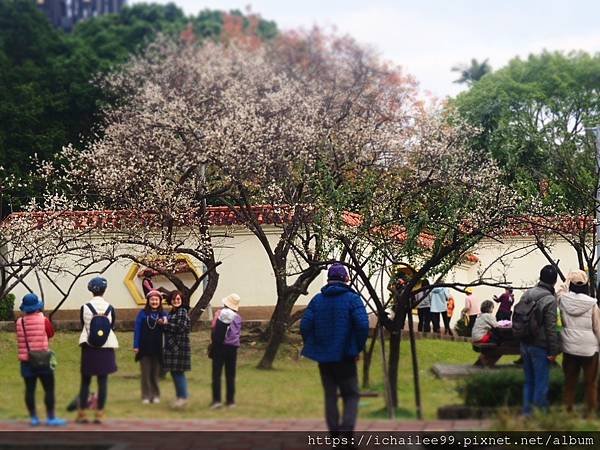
[
  {"x": 540, "y": 350},
  {"x": 334, "y": 329},
  {"x": 225, "y": 335},
  {"x": 177, "y": 353},
  {"x": 147, "y": 345}
]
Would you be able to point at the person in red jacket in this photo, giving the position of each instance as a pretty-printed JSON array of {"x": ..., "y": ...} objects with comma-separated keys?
[{"x": 33, "y": 332}]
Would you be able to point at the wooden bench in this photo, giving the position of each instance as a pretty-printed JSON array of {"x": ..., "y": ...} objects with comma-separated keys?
[{"x": 490, "y": 353}]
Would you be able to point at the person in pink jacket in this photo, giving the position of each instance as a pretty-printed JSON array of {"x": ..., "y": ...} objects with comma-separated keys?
[{"x": 33, "y": 332}]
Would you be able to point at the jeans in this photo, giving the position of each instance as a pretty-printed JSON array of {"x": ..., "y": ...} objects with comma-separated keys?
[
  {"x": 343, "y": 376},
  {"x": 180, "y": 384},
  {"x": 537, "y": 378}
]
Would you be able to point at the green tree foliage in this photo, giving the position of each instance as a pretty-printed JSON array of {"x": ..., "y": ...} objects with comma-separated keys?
[
  {"x": 47, "y": 99},
  {"x": 472, "y": 73},
  {"x": 533, "y": 114},
  {"x": 38, "y": 111}
]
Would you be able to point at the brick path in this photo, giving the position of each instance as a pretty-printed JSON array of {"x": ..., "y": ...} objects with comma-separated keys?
[{"x": 252, "y": 425}]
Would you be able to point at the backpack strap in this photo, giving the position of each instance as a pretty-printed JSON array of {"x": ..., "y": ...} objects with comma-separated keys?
[
  {"x": 108, "y": 311},
  {"x": 92, "y": 309}
]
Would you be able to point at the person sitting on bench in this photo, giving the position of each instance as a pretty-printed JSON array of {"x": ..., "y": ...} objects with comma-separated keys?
[{"x": 484, "y": 330}]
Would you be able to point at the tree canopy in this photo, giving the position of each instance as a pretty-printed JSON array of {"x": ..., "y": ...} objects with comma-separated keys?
[
  {"x": 533, "y": 114},
  {"x": 48, "y": 99}
]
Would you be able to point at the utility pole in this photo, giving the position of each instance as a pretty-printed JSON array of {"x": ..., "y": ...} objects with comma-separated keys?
[{"x": 596, "y": 131}]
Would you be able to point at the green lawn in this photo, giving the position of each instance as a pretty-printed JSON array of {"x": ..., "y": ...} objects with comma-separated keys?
[{"x": 291, "y": 390}]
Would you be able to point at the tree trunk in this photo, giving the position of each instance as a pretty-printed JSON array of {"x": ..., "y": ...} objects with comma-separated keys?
[
  {"x": 278, "y": 325},
  {"x": 394, "y": 363},
  {"x": 287, "y": 296},
  {"x": 205, "y": 298},
  {"x": 368, "y": 357},
  {"x": 415, "y": 364}
]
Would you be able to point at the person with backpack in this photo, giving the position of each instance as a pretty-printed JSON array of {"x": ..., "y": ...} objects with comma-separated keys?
[
  {"x": 534, "y": 325},
  {"x": 225, "y": 341},
  {"x": 177, "y": 354},
  {"x": 147, "y": 345},
  {"x": 33, "y": 333},
  {"x": 98, "y": 343},
  {"x": 334, "y": 329},
  {"x": 580, "y": 338}
]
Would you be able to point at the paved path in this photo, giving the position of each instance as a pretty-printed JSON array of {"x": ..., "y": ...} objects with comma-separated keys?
[
  {"x": 238, "y": 434},
  {"x": 253, "y": 425}
]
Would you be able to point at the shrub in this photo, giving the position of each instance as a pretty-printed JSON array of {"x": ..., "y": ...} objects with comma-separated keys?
[
  {"x": 7, "y": 305},
  {"x": 505, "y": 388}
]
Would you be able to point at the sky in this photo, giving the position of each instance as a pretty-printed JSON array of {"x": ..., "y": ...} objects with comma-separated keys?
[{"x": 428, "y": 37}]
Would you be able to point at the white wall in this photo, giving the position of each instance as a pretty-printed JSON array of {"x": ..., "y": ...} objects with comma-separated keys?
[{"x": 245, "y": 269}]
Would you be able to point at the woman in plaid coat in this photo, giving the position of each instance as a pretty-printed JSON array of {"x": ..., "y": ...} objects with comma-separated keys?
[{"x": 177, "y": 354}]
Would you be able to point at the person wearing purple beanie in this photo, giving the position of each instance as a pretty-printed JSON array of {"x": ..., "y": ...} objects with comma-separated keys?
[{"x": 334, "y": 329}]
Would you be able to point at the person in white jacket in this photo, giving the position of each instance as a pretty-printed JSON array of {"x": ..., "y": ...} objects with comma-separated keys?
[
  {"x": 580, "y": 338},
  {"x": 97, "y": 360}
]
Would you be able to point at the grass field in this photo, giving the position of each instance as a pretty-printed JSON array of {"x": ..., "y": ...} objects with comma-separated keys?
[{"x": 291, "y": 390}]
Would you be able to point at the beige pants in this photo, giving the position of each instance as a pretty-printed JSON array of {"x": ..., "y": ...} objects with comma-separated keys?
[{"x": 150, "y": 366}]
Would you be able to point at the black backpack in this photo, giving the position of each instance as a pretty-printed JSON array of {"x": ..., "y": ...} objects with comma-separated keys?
[
  {"x": 525, "y": 324},
  {"x": 100, "y": 327}
]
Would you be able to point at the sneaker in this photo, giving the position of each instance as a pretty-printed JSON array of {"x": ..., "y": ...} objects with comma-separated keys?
[
  {"x": 216, "y": 405},
  {"x": 231, "y": 405},
  {"x": 180, "y": 403},
  {"x": 56, "y": 422},
  {"x": 34, "y": 421},
  {"x": 156, "y": 400},
  {"x": 146, "y": 401}
]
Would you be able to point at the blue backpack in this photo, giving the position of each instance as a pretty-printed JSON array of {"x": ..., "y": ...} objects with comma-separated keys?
[{"x": 100, "y": 327}]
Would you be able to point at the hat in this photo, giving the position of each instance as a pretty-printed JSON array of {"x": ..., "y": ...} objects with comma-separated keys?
[
  {"x": 337, "y": 272},
  {"x": 469, "y": 290},
  {"x": 97, "y": 285},
  {"x": 31, "y": 303},
  {"x": 153, "y": 293},
  {"x": 578, "y": 277},
  {"x": 232, "y": 301}
]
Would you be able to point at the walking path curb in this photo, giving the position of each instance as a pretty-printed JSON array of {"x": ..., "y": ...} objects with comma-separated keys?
[{"x": 251, "y": 425}]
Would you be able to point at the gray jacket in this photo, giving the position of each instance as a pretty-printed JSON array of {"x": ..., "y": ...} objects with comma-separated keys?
[{"x": 546, "y": 306}]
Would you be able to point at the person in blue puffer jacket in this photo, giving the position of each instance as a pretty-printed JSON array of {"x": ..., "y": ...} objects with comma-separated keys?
[{"x": 334, "y": 328}]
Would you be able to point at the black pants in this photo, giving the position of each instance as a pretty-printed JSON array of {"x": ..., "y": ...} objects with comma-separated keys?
[
  {"x": 471, "y": 324},
  {"x": 424, "y": 319},
  {"x": 403, "y": 313},
  {"x": 503, "y": 315},
  {"x": 224, "y": 355},
  {"x": 84, "y": 393},
  {"x": 342, "y": 376},
  {"x": 435, "y": 322},
  {"x": 47, "y": 381}
]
